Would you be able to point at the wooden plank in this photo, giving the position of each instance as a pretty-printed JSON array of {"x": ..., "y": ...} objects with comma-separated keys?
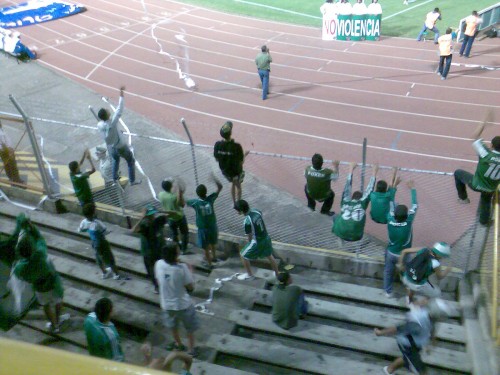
[
  {"x": 364, "y": 316},
  {"x": 362, "y": 341},
  {"x": 278, "y": 354},
  {"x": 353, "y": 292}
]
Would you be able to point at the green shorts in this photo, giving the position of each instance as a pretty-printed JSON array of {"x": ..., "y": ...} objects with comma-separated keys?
[
  {"x": 256, "y": 249},
  {"x": 207, "y": 236}
]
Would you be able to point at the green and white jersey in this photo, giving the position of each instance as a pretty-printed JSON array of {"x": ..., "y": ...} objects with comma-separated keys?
[
  {"x": 487, "y": 176},
  {"x": 103, "y": 339},
  {"x": 401, "y": 233},
  {"x": 350, "y": 224},
  {"x": 204, "y": 208},
  {"x": 380, "y": 205},
  {"x": 318, "y": 182},
  {"x": 254, "y": 223}
]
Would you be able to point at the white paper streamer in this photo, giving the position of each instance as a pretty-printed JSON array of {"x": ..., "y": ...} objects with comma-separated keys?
[{"x": 202, "y": 306}]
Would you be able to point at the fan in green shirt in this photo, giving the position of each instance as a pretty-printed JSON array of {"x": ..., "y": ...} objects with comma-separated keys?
[
  {"x": 80, "y": 180},
  {"x": 400, "y": 231},
  {"x": 487, "y": 175},
  {"x": 289, "y": 303},
  {"x": 206, "y": 220},
  {"x": 318, "y": 180},
  {"x": 350, "y": 224},
  {"x": 103, "y": 339},
  {"x": 381, "y": 197}
]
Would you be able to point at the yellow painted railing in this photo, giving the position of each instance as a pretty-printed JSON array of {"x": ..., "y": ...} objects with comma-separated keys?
[{"x": 19, "y": 358}]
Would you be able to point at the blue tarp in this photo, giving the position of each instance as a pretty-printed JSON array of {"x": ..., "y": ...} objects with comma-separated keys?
[{"x": 36, "y": 11}]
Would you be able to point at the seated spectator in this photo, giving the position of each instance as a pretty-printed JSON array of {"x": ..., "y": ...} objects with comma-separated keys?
[
  {"x": 318, "y": 181},
  {"x": 425, "y": 263},
  {"x": 381, "y": 197},
  {"x": 150, "y": 227},
  {"x": 103, "y": 340},
  {"x": 400, "y": 230},
  {"x": 176, "y": 282},
  {"x": 173, "y": 205},
  {"x": 259, "y": 243},
  {"x": 80, "y": 180},
  {"x": 374, "y": 7},
  {"x": 486, "y": 177},
  {"x": 97, "y": 232},
  {"x": 35, "y": 267},
  {"x": 359, "y": 8},
  {"x": 289, "y": 303},
  {"x": 206, "y": 221},
  {"x": 165, "y": 364},
  {"x": 350, "y": 224},
  {"x": 229, "y": 154},
  {"x": 411, "y": 336}
]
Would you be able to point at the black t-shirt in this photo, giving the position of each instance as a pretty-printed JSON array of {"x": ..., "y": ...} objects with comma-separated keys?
[
  {"x": 229, "y": 154},
  {"x": 152, "y": 239}
]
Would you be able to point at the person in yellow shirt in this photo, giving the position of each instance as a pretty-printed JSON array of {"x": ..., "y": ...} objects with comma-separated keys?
[
  {"x": 471, "y": 24},
  {"x": 445, "y": 53},
  {"x": 430, "y": 23}
]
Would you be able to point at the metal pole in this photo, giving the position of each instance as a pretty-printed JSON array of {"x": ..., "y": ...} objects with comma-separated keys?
[
  {"x": 494, "y": 291},
  {"x": 363, "y": 165},
  {"x": 193, "y": 155},
  {"x": 36, "y": 149}
]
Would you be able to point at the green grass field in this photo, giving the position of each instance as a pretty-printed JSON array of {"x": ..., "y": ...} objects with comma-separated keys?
[{"x": 306, "y": 12}]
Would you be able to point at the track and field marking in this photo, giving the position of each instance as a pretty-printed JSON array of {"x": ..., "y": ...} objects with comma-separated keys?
[
  {"x": 278, "y": 9},
  {"x": 406, "y": 10},
  {"x": 412, "y": 86},
  {"x": 394, "y": 144}
]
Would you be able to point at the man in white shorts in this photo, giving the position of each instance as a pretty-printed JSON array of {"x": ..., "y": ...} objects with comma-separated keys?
[{"x": 176, "y": 282}]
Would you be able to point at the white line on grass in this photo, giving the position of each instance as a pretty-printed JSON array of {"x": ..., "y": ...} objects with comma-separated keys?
[
  {"x": 406, "y": 10},
  {"x": 275, "y": 8}
]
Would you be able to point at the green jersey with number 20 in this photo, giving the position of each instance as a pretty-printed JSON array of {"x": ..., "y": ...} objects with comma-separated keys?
[{"x": 487, "y": 176}]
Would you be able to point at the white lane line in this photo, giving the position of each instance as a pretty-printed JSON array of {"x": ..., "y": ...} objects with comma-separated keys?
[
  {"x": 278, "y": 9},
  {"x": 406, "y": 10},
  {"x": 259, "y": 125}
]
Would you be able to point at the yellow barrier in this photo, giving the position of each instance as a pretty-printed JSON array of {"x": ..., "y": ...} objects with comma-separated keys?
[{"x": 18, "y": 358}]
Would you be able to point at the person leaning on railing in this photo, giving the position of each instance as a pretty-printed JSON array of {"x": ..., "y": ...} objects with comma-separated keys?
[
  {"x": 486, "y": 178},
  {"x": 318, "y": 181}
]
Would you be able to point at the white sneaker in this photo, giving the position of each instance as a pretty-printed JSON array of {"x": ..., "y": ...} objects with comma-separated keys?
[
  {"x": 388, "y": 295},
  {"x": 107, "y": 274},
  {"x": 245, "y": 276},
  {"x": 386, "y": 370},
  {"x": 463, "y": 201}
]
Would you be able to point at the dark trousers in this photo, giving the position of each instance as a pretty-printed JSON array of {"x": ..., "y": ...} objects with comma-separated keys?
[
  {"x": 149, "y": 263},
  {"x": 126, "y": 153},
  {"x": 467, "y": 45},
  {"x": 444, "y": 68},
  {"x": 464, "y": 179},
  {"x": 327, "y": 203},
  {"x": 180, "y": 226}
]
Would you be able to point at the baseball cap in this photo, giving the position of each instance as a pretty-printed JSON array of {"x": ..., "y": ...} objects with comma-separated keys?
[
  {"x": 441, "y": 249},
  {"x": 226, "y": 129}
]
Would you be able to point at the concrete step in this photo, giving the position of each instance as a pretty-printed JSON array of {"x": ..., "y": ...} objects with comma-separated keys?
[
  {"x": 361, "y": 341},
  {"x": 281, "y": 355},
  {"x": 364, "y": 316},
  {"x": 362, "y": 294}
]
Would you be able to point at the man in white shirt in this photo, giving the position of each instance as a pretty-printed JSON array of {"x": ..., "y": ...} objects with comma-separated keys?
[
  {"x": 176, "y": 282},
  {"x": 108, "y": 126}
]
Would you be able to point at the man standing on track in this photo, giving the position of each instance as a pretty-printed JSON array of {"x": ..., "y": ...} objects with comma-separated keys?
[
  {"x": 430, "y": 23},
  {"x": 471, "y": 23},
  {"x": 263, "y": 62},
  {"x": 445, "y": 53},
  {"x": 486, "y": 178}
]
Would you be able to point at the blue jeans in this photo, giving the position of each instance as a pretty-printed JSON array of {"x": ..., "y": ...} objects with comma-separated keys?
[
  {"x": 444, "y": 69},
  {"x": 424, "y": 29},
  {"x": 264, "y": 79},
  {"x": 124, "y": 152},
  {"x": 390, "y": 265},
  {"x": 467, "y": 45},
  {"x": 21, "y": 48}
]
